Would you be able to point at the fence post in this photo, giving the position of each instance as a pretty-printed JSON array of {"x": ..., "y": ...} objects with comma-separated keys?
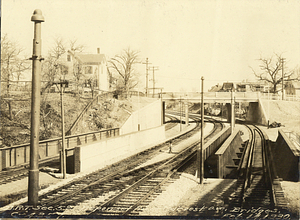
[
  {"x": 24, "y": 155},
  {"x": 78, "y": 141},
  {"x": 68, "y": 142},
  {"x": 1, "y": 159}
]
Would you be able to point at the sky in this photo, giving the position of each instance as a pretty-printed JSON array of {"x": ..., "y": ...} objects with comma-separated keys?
[{"x": 185, "y": 39}]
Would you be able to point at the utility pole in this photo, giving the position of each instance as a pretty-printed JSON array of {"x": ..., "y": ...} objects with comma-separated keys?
[
  {"x": 180, "y": 114},
  {"x": 33, "y": 179},
  {"x": 153, "y": 68},
  {"x": 200, "y": 162},
  {"x": 63, "y": 161},
  {"x": 200, "y": 153},
  {"x": 282, "y": 61},
  {"x": 232, "y": 111},
  {"x": 146, "y": 76}
]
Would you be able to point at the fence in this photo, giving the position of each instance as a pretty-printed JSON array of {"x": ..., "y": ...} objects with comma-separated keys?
[
  {"x": 20, "y": 154},
  {"x": 272, "y": 96},
  {"x": 294, "y": 137}
]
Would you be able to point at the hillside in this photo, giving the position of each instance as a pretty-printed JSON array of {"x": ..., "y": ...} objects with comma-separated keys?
[
  {"x": 108, "y": 113},
  {"x": 285, "y": 112},
  {"x": 16, "y": 131}
]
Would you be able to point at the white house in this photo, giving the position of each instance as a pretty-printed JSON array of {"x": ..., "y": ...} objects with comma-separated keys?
[{"x": 93, "y": 69}]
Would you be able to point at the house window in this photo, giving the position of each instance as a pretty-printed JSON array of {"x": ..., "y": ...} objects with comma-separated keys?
[
  {"x": 64, "y": 70},
  {"x": 69, "y": 58},
  {"x": 88, "y": 70}
]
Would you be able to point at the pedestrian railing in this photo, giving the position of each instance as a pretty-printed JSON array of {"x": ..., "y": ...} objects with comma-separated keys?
[
  {"x": 20, "y": 154},
  {"x": 294, "y": 137},
  {"x": 272, "y": 96}
]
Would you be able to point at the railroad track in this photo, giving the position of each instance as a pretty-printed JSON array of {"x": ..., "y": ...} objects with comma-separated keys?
[
  {"x": 11, "y": 175},
  {"x": 255, "y": 194},
  {"x": 107, "y": 183},
  {"x": 20, "y": 172},
  {"x": 253, "y": 189},
  {"x": 172, "y": 122}
]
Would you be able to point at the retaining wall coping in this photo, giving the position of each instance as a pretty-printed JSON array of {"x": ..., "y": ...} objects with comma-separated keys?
[
  {"x": 225, "y": 145},
  {"x": 118, "y": 136},
  {"x": 215, "y": 137},
  {"x": 292, "y": 147}
]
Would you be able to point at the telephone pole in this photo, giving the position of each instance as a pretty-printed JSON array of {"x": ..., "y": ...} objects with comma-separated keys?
[
  {"x": 33, "y": 178},
  {"x": 146, "y": 75},
  {"x": 154, "y": 68},
  {"x": 63, "y": 162},
  {"x": 282, "y": 61},
  {"x": 200, "y": 150}
]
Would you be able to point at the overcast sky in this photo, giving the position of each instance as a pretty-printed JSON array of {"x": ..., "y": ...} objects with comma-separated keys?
[{"x": 186, "y": 39}]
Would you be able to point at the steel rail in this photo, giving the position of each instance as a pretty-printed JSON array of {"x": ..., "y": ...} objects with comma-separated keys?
[
  {"x": 269, "y": 173},
  {"x": 266, "y": 166},
  {"x": 113, "y": 174},
  {"x": 180, "y": 163}
]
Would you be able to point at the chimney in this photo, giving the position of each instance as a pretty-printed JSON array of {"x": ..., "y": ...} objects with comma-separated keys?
[{"x": 98, "y": 50}]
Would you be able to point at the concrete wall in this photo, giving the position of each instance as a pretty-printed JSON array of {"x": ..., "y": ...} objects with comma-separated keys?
[
  {"x": 228, "y": 111},
  {"x": 227, "y": 152},
  {"x": 286, "y": 157},
  {"x": 214, "y": 143},
  {"x": 103, "y": 152},
  {"x": 147, "y": 117},
  {"x": 256, "y": 113}
]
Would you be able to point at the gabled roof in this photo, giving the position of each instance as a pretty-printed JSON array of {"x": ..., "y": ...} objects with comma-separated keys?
[
  {"x": 215, "y": 88},
  {"x": 90, "y": 58},
  {"x": 227, "y": 86}
]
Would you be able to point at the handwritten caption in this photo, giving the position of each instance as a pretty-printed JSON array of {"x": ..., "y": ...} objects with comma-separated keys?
[{"x": 222, "y": 212}]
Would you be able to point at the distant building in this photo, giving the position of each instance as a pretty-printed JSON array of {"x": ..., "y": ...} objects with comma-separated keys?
[
  {"x": 250, "y": 87},
  {"x": 85, "y": 71},
  {"x": 292, "y": 88},
  {"x": 239, "y": 87},
  {"x": 93, "y": 68},
  {"x": 227, "y": 87},
  {"x": 215, "y": 88}
]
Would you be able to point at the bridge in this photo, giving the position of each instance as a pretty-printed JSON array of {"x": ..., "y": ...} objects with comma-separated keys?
[
  {"x": 19, "y": 155},
  {"x": 225, "y": 97}
]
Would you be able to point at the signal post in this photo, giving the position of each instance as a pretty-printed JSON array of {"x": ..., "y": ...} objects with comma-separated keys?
[{"x": 33, "y": 180}]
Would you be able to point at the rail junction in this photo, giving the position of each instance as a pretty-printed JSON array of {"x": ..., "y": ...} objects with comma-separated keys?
[{"x": 127, "y": 186}]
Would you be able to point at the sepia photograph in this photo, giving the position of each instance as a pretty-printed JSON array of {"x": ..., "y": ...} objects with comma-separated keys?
[{"x": 150, "y": 109}]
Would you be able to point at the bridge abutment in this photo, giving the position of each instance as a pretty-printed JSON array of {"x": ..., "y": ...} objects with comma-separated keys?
[{"x": 256, "y": 113}]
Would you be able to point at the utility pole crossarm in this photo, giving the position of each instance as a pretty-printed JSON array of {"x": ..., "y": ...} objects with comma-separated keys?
[
  {"x": 153, "y": 68},
  {"x": 146, "y": 75}
]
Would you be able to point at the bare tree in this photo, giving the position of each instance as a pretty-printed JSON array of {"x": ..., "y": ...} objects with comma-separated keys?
[
  {"x": 53, "y": 67},
  {"x": 74, "y": 47},
  {"x": 77, "y": 66},
  {"x": 271, "y": 71},
  {"x": 123, "y": 66},
  {"x": 12, "y": 66}
]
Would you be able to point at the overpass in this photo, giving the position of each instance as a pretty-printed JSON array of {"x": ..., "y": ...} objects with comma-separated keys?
[
  {"x": 256, "y": 112},
  {"x": 219, "y": 97}
]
